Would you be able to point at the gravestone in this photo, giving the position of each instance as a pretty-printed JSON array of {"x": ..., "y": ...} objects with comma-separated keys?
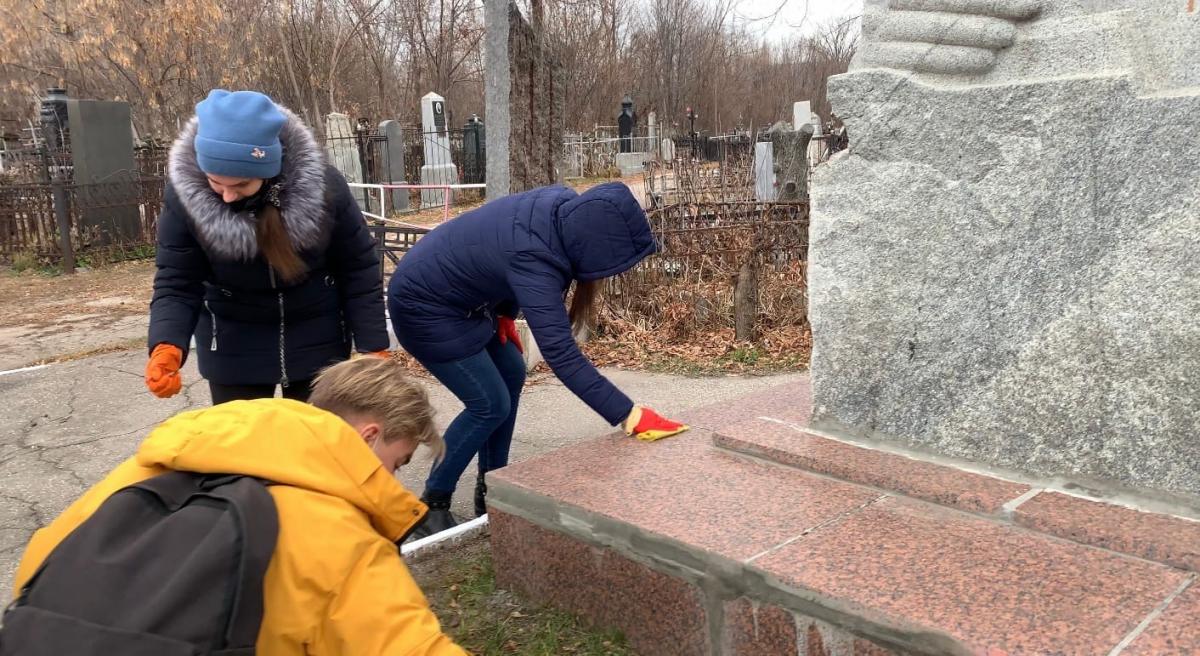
[
  {"x": 651, "y": 131},
  {"x": 668, "y": 150},
  {"x": 105, "y": 174},
  {"x": 626, "y": 125},
  {"x": 393, "y": 134},
  {"x": 341, "y": 143},
  {"x": 790, "y": 162},
  {"x": 764, "y": 172},
  {"x": 632, "y": 162},
  {"x": 523, "y": 90},
  {"x": 801, "y": 114},
  {"x": 474, "y": 151},
  {"x": 439, "y": 168},
  {"x": 999, "y": 272}
]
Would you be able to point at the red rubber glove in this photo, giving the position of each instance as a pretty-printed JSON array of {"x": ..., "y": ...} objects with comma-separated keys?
[
  {"x": 507, "y": 329},
  {"x": 162, "y": 371},
  {"x": 646, "y": 425}
]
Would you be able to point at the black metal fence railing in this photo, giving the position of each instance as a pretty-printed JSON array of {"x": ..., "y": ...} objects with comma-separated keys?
[
  {"x": 463, "y": 147},
  {"x": 115, "y": 213}
]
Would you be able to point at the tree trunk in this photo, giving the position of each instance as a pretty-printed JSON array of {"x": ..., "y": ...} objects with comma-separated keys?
[{"x": 745, "y": 301}]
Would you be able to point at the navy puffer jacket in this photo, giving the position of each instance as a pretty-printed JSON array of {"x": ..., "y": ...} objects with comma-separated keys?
[
  {"x": 520, "y": 253},
  {"x": 250, "y": 328}
]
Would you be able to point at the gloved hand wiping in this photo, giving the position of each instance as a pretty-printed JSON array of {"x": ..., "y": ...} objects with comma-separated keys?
[{"x": 646, "y": 425}]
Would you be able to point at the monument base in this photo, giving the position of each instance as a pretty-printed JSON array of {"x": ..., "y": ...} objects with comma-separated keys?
[
  {"x": 752, "y": 535},
  {"x": 437, "y": 174},
  {"x": 632, "y": 163}
]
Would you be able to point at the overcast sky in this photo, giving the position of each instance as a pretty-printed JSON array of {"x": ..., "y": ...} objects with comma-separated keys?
[{"x": 796, "y": 15}]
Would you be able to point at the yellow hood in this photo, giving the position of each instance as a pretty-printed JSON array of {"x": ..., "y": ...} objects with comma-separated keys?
[{"x": 289, "y": 443}]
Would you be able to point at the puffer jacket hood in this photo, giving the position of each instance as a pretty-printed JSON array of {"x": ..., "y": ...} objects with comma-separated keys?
[
  {"x": 519, "y": 255},
  {"x": 604, "y": 232},
  {"x": 289, "y": 443}
]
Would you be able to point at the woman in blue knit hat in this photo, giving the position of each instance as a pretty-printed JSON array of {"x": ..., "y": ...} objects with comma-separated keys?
[{"x": 263, "y": 256}]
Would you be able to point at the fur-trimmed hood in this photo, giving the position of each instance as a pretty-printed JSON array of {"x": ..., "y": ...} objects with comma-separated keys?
[{"x": 231, "y": 235}]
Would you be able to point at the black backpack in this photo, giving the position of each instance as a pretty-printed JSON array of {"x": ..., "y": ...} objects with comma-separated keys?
[{"x": 171, "y": 566}]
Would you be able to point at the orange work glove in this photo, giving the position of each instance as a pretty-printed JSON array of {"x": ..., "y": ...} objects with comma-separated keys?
[
  {"x": 162, "y": 371},
  {"x": 646, "y": 425},
  {"x": 385, "y": 354},
  {"x": 507, "y": 329}
]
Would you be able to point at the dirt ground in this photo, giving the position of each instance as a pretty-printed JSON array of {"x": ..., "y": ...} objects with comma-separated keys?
[{"x": 44, "y": 317}]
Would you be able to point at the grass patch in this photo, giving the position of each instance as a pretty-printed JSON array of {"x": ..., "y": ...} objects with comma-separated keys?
[{"x": 461, "y": 587}]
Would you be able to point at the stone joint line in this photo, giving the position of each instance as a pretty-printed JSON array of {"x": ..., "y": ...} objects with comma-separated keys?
[
  {"x": 1011, "y": 507},
  {"x": 812, "y": 529},
  {"x": 1151, "y": 616}
]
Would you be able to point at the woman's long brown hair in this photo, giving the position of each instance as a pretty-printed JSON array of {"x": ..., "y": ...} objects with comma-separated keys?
[
  {"x": 583, "y": 304},
  {"x": 277, "y": 247}
]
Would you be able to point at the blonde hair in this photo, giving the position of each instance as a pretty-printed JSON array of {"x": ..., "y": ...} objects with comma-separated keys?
[{"x": 379, "y": 389}]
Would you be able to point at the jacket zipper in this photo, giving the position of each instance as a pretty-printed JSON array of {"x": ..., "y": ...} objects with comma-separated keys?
[
  {"x": 283, "y": 377},
  {"x": 213, "y": 315}
]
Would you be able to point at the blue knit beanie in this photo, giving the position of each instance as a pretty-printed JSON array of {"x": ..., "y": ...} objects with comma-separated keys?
[{"x": 238, "y": 135}]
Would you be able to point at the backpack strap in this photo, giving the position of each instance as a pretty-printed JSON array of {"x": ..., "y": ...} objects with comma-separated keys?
[{"x": 253, "y": 508}]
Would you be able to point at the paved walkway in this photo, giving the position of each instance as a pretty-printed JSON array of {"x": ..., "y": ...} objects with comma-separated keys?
[{"x": 64, "y": 427}]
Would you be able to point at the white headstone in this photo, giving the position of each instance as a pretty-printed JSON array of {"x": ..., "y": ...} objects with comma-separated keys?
[
  {"x": 801, "y": 114},
  {"x": 764, "y": 172},
  {"x": 342, "y": 146},
  {"x": 668, "y": 150},
  {"x": 652, "y": 131},
  {"x": 439, "y": 167}
]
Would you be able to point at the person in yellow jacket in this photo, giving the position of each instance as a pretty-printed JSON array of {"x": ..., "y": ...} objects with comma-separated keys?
[{"x": 336, "y": 583}]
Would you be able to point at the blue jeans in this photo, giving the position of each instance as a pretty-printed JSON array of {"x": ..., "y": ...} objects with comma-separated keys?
[{"x": 489, "y": 384}]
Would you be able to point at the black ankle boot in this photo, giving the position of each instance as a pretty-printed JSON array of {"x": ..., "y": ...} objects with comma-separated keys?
[
  {"x": 480, "y": 496},
  {"x": 438, "y": 518}
]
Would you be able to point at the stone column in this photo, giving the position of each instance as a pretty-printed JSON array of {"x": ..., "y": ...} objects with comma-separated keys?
[{"x": 497, "y": 82}]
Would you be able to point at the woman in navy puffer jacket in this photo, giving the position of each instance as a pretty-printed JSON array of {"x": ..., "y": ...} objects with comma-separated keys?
[{"x": 454, "y": 297}]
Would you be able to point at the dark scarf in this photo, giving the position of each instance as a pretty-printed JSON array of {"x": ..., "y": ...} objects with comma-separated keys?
[{"x": 268, "y": 193}]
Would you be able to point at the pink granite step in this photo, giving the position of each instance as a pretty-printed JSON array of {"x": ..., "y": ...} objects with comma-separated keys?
[
  {"x": 813, "y": 546},
  {"x": 1170, "y": 540},
  {"x": 790, "y": 444}
]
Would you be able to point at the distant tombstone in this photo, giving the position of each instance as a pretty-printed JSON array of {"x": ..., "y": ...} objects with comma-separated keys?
[
  {"x": 439, "y": 168},
  {"x": 668, "y": 150},
  {"x": 651, "y": 131},
  {"x": 801, "y": 114},
  {"x": 104, "y": 169},
  {"x": 764, "y": 172},
  {"x": 474, "y": 151},
  {"x": 626, "y": 124},
  {"x": 393, "y": 133},
  {"x": 342, "y": 145},
  {"x": 55, "y": 123}
]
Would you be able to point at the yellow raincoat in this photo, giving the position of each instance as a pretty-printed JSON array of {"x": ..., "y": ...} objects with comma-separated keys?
[{"x": 336, "y": 584}]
